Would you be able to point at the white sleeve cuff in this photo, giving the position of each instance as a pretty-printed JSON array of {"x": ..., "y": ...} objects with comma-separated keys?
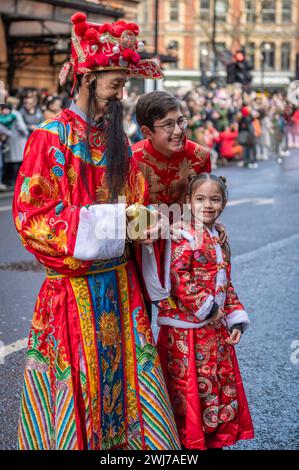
[
  {"x": 238, "y": 316},
  {"x": 153, "y": 284},
  {"x": 206, "y": 308},
  {"x": 101, "y": 232}
]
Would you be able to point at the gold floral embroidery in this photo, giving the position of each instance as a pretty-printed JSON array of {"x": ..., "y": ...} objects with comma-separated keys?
[
  {"x": 85, "y": 314},
  {"x": 37, "y": 189},
  {"x": 72, "y": 176},
  {"x": 132, "y": 405},
  {"x": 43, "y": 235},
  {"x": 73, "y": 263}
]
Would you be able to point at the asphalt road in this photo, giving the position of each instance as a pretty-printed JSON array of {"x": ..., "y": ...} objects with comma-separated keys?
[{"x": 263, "y": 225}]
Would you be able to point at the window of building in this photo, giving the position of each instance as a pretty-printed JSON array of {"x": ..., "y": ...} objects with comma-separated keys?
[
  {"x": 268, "y": 55},
  {"x": 205, "y": 6},
  {"x": 173, "y": 45},
  {"x": 174, "y": 11},
  {"x": 268, "y": 11},
  {"x": 250, "y": 54},
  {"x": 145, "y": 12},
  {"x": 250, "y": 11},
  {"x": 221, "y": 9},
  {"x": 286, "y": 13},
  {"x": 220, "y": 47},
  {"x": 285, "y": 56}
]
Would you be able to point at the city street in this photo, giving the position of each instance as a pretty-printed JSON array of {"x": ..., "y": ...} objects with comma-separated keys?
[{"x": 263, "y": 226}]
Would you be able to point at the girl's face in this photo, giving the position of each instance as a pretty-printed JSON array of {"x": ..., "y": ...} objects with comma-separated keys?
[{"x": 207, "y": 203}]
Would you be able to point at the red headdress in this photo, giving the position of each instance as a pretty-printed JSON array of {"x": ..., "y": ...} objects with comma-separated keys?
[{"x": 110, "y": 46}]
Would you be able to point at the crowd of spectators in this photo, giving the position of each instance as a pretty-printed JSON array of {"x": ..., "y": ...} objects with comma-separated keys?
[
  {"x": 233, "y": 125},
  {"x": 19, "y": 116},
  {"x": 237, "y": 126}
]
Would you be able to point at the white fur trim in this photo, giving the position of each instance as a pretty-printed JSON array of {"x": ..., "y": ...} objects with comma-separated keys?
[
  {"x": 188, "y": 237},
  {"x": 237, "y": 316},
  {"x": 150, "y": 273},
  {"x": 180, "y": 323},
  {"x": 101, "y": 232},
  {"x": 221, "y": 279},
  {"x": 205, "y": 309}
]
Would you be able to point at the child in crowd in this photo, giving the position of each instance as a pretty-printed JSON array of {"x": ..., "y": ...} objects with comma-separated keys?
[
  {"x": 229, "y": 147},
  {"x": 7, "y": 117},
  {"x": 199, "y": 331}
]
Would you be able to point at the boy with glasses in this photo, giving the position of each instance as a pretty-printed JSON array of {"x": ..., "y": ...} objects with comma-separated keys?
[{"x": 166, "y": 157}]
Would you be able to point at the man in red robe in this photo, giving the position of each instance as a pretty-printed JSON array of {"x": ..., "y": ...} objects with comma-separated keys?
[{"x": 92, "y": 377}]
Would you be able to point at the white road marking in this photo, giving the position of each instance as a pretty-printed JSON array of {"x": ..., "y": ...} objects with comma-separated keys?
[
  {"x": 12, "y": 348},
  {"x": 257, "y": 201},
  {"x": 5, "y": 208}
]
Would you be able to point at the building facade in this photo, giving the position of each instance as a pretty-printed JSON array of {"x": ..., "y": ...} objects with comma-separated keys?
[
  {"x": 35, "y": 37},
  {"x": 268, "y": 29}
]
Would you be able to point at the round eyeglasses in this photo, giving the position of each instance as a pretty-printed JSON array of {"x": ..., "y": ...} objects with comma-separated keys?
[{"x": 170, "y": 125}]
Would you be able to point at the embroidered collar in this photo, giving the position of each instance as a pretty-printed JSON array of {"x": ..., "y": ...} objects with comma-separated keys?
[{"x": 148, "y": 147}]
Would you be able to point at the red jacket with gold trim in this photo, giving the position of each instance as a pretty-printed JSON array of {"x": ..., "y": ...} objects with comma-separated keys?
[
  {"x": 167, "y": 178},
  {"x": 200, "y": 277}
]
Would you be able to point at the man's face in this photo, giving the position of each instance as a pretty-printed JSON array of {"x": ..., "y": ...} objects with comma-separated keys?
[
  {"x": 164, "y": 139},
  {"x": 109, "y": 87},
  {"x": 28, "y": 103}
]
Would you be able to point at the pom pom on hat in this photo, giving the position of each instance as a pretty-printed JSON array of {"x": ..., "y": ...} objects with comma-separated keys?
[
  {"x": 118, "y": 29},
  {"x": 120, "y": 22},
  {"x": 78, "y": 17},
  {"x": 106, "y": 28},
  {"x": 131, "y": 56},
  {"x": 102, "y": 60},
  {"x": 80, "y": 29},
  {"x": 133, "y": 27},
  {"x": 135, "y": 58},
  {"x": 115, "y": 58},
  {"x": 92, "y": 35}
]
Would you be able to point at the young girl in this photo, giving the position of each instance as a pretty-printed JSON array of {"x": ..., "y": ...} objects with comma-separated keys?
[{"x": 199, "y": 331}]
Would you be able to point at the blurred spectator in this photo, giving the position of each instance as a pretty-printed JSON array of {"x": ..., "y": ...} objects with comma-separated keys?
[
  {"x": 257, "y": 126},
  {"x": 265, "y": 139},
  {"x": 295, "y": 128},
  {"x": 7, "y": 117},
  {"x": 131, "y": 127},
  {"x": 31, "y": 112},
  {"x": 278, "y": 135},
  {"x": 212, "y": 139},
  {"x": 229, "y": 147},
  {"x": 4, "y": 134},
  {"x": 53, "y": 106},
  {"x": 246, "y": 138},
  {"x": 16, "y": 142}
]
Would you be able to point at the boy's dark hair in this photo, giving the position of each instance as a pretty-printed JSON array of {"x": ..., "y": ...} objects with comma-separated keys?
[{"x": 154, "y": 106}]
